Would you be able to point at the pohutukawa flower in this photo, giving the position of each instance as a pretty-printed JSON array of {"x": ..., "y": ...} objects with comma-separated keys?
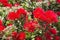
[
  {"x": 38, "y": 38},
  {"x": 57, "y": 37},
  {"x": 4, "y": 1},
  {"x": 39, "y": 14},
  {"x": 14, "y": 35},
  {"x": 48, "y": 36},
  {"x": 21, "y": 11},
  {"x": 53, "y": 31},
  {"x": 31, "y": 26},
  {"x": 1, "y": 26},
  {"x": 58, "y": 13},
  {"x": 1, "y": 22},
  {"x": 11, "y": 16},
  {"x": 21, "y": 36},
  {"x": 51, "y": 16},
  {"x": 7, "y": 5},
  {"x": 16, "y": 15}
]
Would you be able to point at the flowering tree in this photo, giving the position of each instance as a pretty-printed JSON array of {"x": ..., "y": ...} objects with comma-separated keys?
[{"x": 29, "y": 19}]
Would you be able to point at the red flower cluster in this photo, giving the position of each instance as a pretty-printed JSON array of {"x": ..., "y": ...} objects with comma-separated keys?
[
  {"x": 57, "y": 38},
  {"x": 19, "y": 36},
  {"x": 48, "y": 36},
  {"x": 49, "y": 16},
  {"x": 14, "y": 35},
  {"x": 53, "y": 31},
  {"x": 39, "y": 13},
  {"x": 31, "y": 26},
  {"x": 58, "y": 13},
  {"x": 38, "y": 38},
  {"x": 5, "y": 3},
  {"x": 13, "y": 15},
  {"x": 1, "y": 26}
]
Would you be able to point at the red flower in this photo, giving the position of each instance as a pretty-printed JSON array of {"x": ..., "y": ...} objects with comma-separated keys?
[
  {"x": 17, "y": 15},
  {"x": 40, "y": 14},
  {"x": 53, "y": 31},
  {"x": 7, "y": 5},
  {"x": 1, "y": 22},
  {"x": 48, "y": 16},
  {"x": 48, "y": 36},
  {"x": 58, "y": 1},
  {"x": 31, "y": 26},
  {"x": 57, "y": 38},
  {"x": 38, "y": 38},
  {"x": 14, "y": 35},
  {"x": 4, "y": 1},
  {"x": 51, "y": 16},
  {"x": 21, "y": 36},
  {"x": 58, "y": 13},
  {"x": 1, "y": 27},
  {"x": 11, "y": 16},
  {"x": 21, "y": 11}
]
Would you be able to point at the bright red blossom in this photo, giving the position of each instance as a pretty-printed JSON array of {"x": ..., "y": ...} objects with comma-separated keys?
[
  {"x": 40, "y": 14},
  {"x": 16, "y": 15},
  {"x": 14, "y": 35},
  {"x": 2, "y": 28},
  {"x": 21, "y": 11},
  {"x": 31, "y": 26},
  {"x": 21, "y": 36},
  {"x": 53, "y": 31},
  {"x": 51, "y": 16},
  {"x": 7, "y": 5},
  {"x": 11, "y": 16},
  {"x": 1, "y": 25},
  {"x": 3, "y": 1},
  {"x": 1, "y": 22}
]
